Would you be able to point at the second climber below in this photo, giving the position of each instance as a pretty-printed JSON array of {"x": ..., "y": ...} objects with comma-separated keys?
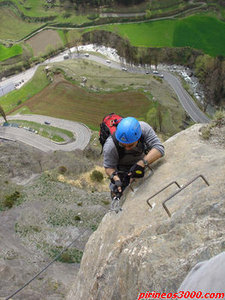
[{"x": 128, "y": 151}]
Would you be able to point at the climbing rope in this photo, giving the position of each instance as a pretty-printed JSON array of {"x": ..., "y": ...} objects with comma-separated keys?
[{"x": 45, "y": 268}]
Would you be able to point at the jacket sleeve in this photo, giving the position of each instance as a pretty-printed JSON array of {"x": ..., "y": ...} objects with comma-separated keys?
[
  {"x": 110, "y": 153},
  {"x": 151, "y": 139}
]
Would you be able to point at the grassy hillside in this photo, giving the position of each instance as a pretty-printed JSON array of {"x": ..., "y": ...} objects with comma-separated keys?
[
  {"x": 12, "y": 27},
  {"x": 16, "y": 97},
  {"x": 31, "y": 8},
  {"x": 204, "y": 32},
  {"x": 106, "y": 90},
  {"x": 16, "y": 22},
  {"x": 200, "y": 31}
]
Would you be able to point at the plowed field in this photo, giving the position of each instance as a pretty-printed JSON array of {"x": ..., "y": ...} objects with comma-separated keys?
[{"x": 44, "y": 40}]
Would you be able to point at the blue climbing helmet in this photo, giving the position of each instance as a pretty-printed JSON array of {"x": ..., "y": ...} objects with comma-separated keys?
[{"x": 128, "y": 131}]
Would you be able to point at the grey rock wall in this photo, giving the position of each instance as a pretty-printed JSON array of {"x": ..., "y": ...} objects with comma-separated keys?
[{"x": 142, "y": 249}]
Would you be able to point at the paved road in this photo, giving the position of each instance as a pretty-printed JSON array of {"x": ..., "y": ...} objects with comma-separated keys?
[
  {"x": 28, "y": 74},
  {"x": 185, "y": 99},
  {"x": 81, "y": 132}
]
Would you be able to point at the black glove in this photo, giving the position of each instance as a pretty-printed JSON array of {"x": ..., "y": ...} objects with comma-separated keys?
[
  {"x": 117, "y": 184},
  {"x": 112, "y": 177},
  {"x": 136, "y": 171}
]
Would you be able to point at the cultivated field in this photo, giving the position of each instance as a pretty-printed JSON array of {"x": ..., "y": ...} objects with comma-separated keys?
[
  {"x": 44, "y": 41},
  {"x": 63, "y": 99}
]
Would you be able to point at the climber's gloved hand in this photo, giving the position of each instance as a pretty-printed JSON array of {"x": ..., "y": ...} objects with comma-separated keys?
[
  {"x": 117, "y": 189},
  {"x": 117, "y": 184},
  {"x": 136, "y": 171}
]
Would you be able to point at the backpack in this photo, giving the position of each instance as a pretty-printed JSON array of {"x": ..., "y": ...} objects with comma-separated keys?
[{"x": 108, "y": 127}]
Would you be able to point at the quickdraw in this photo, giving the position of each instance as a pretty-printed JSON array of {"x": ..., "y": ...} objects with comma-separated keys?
[{"x": 115, "y": 205}]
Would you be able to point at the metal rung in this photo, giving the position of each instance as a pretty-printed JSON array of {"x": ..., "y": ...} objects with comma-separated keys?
[
  {"x": 173, "y": 182},
  {"x": 181, "y": 189},
  {"x": 150, "y": 169},
  {"x": 130, "y": 186}
]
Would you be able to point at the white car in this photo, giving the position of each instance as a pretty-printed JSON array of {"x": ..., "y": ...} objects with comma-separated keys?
[
  {"x": 124, "y": 69},
  {"x": 155, "y": 72},
  {"x": 86, "y": 55},
  {"x": 108, "y": 61},
  {"x": 161, "y": 75}
]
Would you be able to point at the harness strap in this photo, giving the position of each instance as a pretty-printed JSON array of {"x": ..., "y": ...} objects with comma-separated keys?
[{"x": 120, "y": 149}]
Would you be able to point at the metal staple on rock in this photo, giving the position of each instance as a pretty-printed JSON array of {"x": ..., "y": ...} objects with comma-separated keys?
[
  {"x": 181, "y": 189},
  {"x": 45, "y": 268}
]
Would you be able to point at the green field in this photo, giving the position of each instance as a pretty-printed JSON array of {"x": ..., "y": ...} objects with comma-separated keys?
[
  {"x": 6, "y": 53},
  {"x": 16, "y": 97},
  {"x": 202, "y": 32}
]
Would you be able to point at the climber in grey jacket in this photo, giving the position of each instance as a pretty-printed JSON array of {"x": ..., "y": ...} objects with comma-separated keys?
[{"x": 139, "y": 146}]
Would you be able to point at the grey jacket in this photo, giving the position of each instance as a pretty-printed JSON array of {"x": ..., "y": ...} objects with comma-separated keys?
[{"x": 111, "y": 156}]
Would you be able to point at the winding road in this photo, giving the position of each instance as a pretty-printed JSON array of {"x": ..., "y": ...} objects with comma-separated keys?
[
  {"x": 80, "y": 131},
  {"x": 185, "y": 99}
]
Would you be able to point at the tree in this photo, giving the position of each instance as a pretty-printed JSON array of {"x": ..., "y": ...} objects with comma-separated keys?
[
  {"x": 148, "y": 13},
  {"x": 3, "y": 113},
  {"x": 159, "y": 115},
  {"x": 211, "y": 73}
]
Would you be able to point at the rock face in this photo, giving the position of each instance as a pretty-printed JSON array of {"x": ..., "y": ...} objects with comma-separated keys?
[
  {"x": 143, "y": 249},
  {"x": 47, "y": 216}
]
